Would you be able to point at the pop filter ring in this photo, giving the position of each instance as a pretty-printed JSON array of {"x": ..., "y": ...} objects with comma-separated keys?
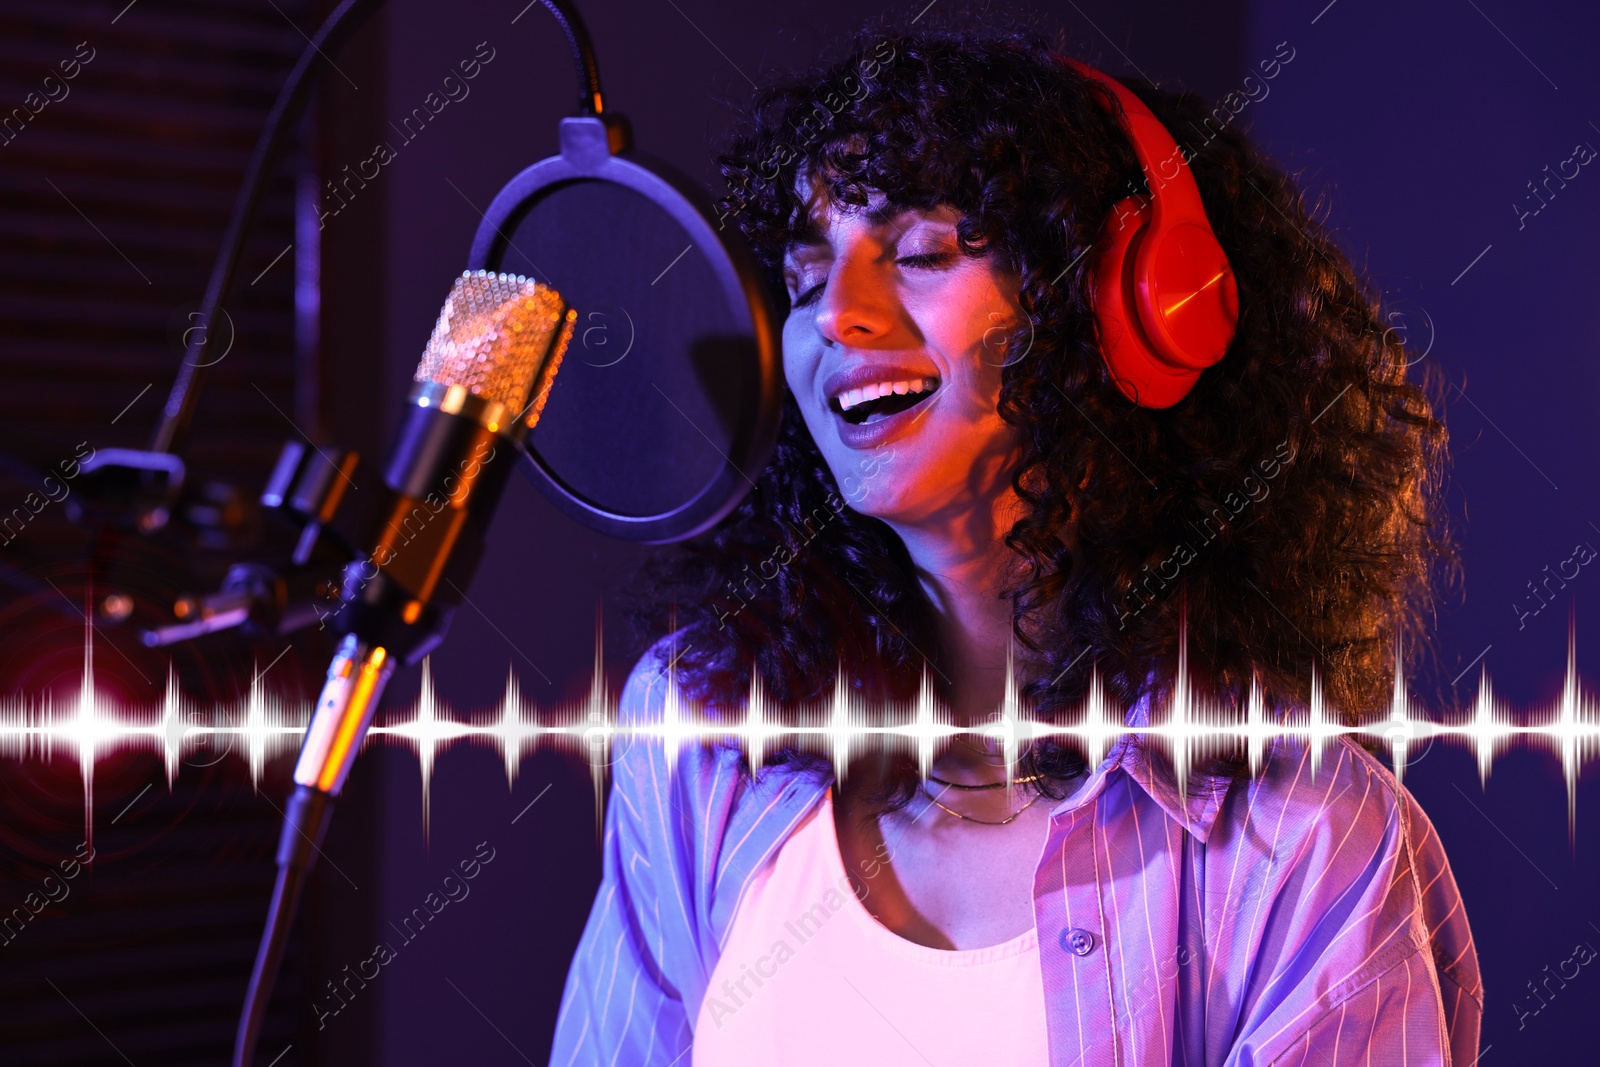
[{"x": 594, "y": 149}]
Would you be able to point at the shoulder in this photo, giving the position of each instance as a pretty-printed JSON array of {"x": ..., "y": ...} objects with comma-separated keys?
[
  {"x": 656, "y": 764},
  {"x": 1330, "y": 809},
  {"x": 1335, "y": 870},
  {"x": 1310, "y": 835},
  {"x": 1333, "y": 888},
  {"x": 702, "y": 820}
]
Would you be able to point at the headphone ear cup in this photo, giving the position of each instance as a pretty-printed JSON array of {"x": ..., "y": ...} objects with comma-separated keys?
[
  {"x": 1137, "y": 368},
  {"x": 1187, "y": 299}
]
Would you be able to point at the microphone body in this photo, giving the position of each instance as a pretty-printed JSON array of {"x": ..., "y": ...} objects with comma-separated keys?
[{"x": 446, "y": 471}]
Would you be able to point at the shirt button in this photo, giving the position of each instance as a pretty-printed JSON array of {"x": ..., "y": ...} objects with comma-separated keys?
[{"x": 1078, "y": 942}]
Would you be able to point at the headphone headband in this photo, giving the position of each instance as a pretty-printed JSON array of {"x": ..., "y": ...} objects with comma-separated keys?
[
  {"x": 1164, "y": 295},
  {"x": 1157, "y": 151}
]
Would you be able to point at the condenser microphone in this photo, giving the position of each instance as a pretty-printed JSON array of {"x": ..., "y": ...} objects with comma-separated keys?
[{"x": 480, "y": 388}]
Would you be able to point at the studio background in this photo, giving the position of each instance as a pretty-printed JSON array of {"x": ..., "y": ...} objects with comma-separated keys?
[{"x": 1416, "y": 127}]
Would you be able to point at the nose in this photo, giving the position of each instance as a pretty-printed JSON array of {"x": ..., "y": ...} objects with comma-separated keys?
[{"x": 856, "y": 305}]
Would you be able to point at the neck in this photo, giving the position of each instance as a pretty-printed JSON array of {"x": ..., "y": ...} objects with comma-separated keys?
[{"x": 962, "y": 567}]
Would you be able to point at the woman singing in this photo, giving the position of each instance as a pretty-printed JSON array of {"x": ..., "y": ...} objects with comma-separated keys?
[{"x": 975, "y": 481}]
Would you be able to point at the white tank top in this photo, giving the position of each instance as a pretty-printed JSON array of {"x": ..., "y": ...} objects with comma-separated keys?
[{"x": 808, "y": 976}]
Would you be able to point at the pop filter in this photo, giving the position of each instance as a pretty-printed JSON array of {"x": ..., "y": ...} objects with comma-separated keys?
[{"x": 668, "y": 404}]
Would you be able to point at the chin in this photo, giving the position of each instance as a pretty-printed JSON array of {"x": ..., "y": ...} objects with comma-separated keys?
[
  {"x": 935, "y": 461},
  {"x": 904, "y": 481}
]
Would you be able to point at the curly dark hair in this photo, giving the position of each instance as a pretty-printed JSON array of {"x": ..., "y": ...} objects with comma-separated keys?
[{"x": 1281, "y": 519}]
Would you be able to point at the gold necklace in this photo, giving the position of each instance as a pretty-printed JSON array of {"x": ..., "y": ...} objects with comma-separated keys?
[
  {"x": 982, "y": 785},
  {"x": 983, "y": 822}
]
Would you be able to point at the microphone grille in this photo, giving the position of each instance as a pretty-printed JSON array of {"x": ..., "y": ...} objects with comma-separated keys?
[{"x": 498, "y": 336}]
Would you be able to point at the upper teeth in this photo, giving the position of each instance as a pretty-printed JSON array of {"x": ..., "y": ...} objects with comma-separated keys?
[{"x": 850, "y": 399}]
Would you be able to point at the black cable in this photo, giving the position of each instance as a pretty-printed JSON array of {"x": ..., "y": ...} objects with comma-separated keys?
[
  {"x": 172, "y": 432},
  {"x": 566, "y": 16},
  {"x": 304, "y": 824},
  {"x": 274, "y": 938}
]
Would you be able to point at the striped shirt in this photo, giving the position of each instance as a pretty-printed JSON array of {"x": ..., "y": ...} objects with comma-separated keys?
[{"x": 1300, "y": 917}]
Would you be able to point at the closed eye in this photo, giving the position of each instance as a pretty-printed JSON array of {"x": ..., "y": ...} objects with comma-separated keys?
[
  {"x": 921, "y": 261},
  {"x": 809, "y": 295},
  {"x": 926, "y": 260}
]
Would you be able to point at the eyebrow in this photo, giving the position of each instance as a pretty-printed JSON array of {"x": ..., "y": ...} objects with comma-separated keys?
[{"x": 808, "y": 234}]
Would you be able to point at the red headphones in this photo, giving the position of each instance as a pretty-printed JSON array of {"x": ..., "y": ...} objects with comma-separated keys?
[{"x": 1163, "y": 294}]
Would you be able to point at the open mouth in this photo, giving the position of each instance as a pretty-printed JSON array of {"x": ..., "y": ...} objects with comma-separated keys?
[{"x": 880, "y": 400}]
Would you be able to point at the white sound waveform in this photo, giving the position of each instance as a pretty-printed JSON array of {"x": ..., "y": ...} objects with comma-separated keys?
[{"x": 264, "y": 728}]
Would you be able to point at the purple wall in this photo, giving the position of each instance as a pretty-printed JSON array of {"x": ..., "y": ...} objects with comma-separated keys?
[{"x": 1420, "y": 126}]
